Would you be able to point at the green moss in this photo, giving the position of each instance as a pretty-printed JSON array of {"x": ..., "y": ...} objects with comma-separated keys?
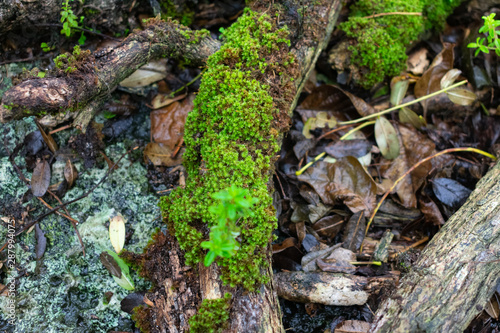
[
  {"x": 212, "y": 316},
  {"x": 183, "y": 14},
  {"x": 229, "y": 140},
  {"x": 380, "y": 43}
]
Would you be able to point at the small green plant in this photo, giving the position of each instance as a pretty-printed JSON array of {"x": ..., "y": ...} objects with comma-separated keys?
[
  {"x": 235, "y": 203},
  {"x": 489, "y": 28},
  {"x": 46, "y": 47},
  {"x": 70, "y": 21}
]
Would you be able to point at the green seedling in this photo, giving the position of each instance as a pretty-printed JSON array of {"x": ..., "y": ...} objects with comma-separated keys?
[
  {"x": 489, "y": 28},
  {"x": 235, "y": 203}
]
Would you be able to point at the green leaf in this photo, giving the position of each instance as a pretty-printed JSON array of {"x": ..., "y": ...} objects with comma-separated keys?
[
  {"x": 450, "y": 77},
  {"x": 461, "y": 96},
  {"x": 387, "y": 138},
  {"x": 209, "y": 258},
  {"x": 398, "y": 91},
  {"x": 407, "y": 116},
  {"x": 125, "y": 281}
]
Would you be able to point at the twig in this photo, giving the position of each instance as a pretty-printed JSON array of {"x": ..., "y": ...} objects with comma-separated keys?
[
  {"x": 393, "y": 13},
  {"x": 423, "y": 98}
]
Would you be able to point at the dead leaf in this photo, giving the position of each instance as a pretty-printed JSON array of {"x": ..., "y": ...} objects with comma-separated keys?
[
  {"x": 110, "y": 263},
  {"x": 47, "y": 138},
  {"x": 417, "y": 61},
  {"x": 387, "y": 138},
  {"x": 343, "y": 148},
  {"x": 41, "y": 242},
  {"x": 329, "y": 226},
  {"x": 431, "y": 80},
  {"x": 151, "y": 72},
  {"x": 40, "y": 179},
  {"x": 336, "y": 102},
  {"x": 163, "y": 100},
  {"x": 493, "y": 306},
  {"x": 117, "y": 232},
  {"x": 159, "y": 154},
  {"x": 450, "y": 192},
  {"x": 354, "y": 232},
  {"x": 70, "y": 173},
  {"x": 415, "y": 147},
  {"x": 431, "y": 211},
  {"x": 167, "y": 124},
  {"x": 345, "y": 180}
]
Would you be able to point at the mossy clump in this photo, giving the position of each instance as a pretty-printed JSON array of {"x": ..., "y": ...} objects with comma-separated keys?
[
  {"x": 182, "y": 13},
  {"x": 212, "y": 316},
  {"x": 379, "y": 43},
  {"x": 230, "y": 140}
]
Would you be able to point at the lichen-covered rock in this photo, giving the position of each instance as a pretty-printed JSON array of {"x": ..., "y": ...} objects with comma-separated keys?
[{"x": 64, "y": 292}]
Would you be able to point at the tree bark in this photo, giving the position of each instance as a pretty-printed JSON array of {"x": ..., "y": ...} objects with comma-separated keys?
[{"x": 456, "y": 273}]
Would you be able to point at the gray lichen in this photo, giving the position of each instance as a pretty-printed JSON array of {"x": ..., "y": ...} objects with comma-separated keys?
[{"x": 64, "y": 292}]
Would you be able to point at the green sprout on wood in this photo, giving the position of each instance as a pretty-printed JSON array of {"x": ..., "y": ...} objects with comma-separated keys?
[
  {"x": 235, "y": 203},
  {"x": 489, "y": 28}
]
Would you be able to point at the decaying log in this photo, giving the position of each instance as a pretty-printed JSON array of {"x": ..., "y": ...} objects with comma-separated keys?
[
  {"x": 457, "y": 272},
  {"x": 79, "y": 94},
  {"x": 329, "y": 288}
]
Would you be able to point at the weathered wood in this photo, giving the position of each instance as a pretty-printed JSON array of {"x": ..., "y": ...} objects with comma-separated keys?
[
  {"x": 329, "y": 288},
  {"x": 79, "y": 94},
  {"x": 456, "y": 273}
]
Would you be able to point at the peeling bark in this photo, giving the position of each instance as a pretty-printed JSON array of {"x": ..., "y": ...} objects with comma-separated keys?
[{"x": 457, "y": 272}]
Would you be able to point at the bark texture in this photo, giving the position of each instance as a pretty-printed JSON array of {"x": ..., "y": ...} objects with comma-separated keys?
[{"x": 457, "y": 272}]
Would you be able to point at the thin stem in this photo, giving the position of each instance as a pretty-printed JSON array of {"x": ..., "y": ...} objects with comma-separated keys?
[
  {"x": 355, "y": 129},
  {"x": 423, "y": 98},
  {"x": 301, "y": 171},
  {"x": 446, "y": 151}
]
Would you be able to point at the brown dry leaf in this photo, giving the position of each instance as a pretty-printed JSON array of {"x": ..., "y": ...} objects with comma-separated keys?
[
  {"x": 387, "y": 138},
  {"x": 48, "y": 139},
  {"x": 431, "y": 80},
  {"x": 162, "y": 100},
  {"x": 289, "y": 242},
  {"x": 160, "y": 154},
  {"x": 151, "y": 72},
  {"x": 167, "y": 124},
  {"x": 493, "y": 306},
  {"x": 415, "y": 147},
  {"x": 352, "y": 326},
  {"x": 329, "y": 226},
  {"x": 335, "y": 101},
  {"x": 354, "y": 232},
  {"x": 343, "y": 148},
  {"x": 40, "y": 180},
  {"x": 345, "y": 180},
  {"x": 417, "y": 61},
  {"x": 70, "y": 173},
  {"x": 431, "y": 211}
]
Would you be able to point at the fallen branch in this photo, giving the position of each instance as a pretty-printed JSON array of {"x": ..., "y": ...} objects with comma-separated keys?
[{"x": 79, "y": 95}]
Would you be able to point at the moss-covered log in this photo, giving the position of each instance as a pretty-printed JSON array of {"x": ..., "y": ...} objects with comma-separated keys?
[
  {"x": 457, "y": 272},
  {"x": 232, "y": 135},
  {"x": 83, "y": 81}
]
